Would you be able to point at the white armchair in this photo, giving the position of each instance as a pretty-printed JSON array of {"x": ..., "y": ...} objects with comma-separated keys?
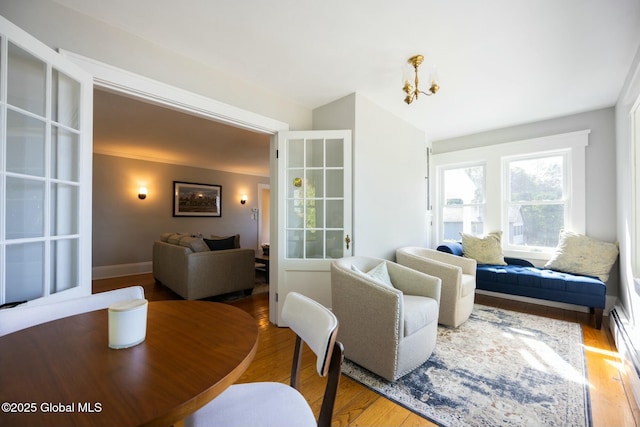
[
  {"x": 458, "y": 276},
  {"x": 389, "y": 329}
]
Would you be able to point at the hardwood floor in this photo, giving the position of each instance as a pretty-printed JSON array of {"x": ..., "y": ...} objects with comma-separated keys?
[{"x": 358, "y": 406}]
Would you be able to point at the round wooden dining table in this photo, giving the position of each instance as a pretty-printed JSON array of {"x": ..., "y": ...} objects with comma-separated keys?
[{"x": 63, "y": 373}]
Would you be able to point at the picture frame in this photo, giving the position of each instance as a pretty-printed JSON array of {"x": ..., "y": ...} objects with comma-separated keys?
[{"x": 193, "y": 199}]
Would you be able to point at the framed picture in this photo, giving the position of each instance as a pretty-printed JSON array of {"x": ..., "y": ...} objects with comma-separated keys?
[{"x": 192, "y": 199}]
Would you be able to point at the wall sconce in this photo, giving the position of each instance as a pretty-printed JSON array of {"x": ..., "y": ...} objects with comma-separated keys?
[
  {"x": 411, "y": 90},
  {"x": 243, "y": 199},
  {"x": 142, "y": 193}
]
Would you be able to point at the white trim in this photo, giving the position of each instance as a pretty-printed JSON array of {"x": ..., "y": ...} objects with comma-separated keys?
[
  {"x": 543, "y": 143},
  {"x": 259, "y": 215},
  {"x": 634, "y": 132},
  {"x": 623, "y": 335},
  {"x": 119, "y": 270},
  {"x": 115, "y": 79}
]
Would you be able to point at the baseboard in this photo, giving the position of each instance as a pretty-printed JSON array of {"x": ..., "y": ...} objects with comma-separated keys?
[
  {"x": 608, "y": 304},
  {"x": 629, "y": 354},
  {"x": 108, "y": 271}
]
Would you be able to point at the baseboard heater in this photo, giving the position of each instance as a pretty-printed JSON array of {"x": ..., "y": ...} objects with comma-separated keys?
[{"x": 629, "y": 354}]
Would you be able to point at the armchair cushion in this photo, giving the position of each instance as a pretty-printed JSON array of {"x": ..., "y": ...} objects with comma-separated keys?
[
  {"x": 468, "y": 284},
  {"x": 418, "y": 313}
]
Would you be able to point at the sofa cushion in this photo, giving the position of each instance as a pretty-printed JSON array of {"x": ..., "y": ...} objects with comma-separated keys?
[
  {"x": 418, "y": 313},
  {"x": 484, "y": 249},
  {"x": 584, "y": 255},
  {"x": 164, "y": 237},
  {"x": 221, "y": 244},
  {"x": 174, "y": 238},
  {"x": 196, "y": 244},
  {"x": 544, "y": 279}
]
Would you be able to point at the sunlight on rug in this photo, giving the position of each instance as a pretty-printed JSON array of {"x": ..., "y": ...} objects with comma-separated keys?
[{"x": 498, "y": 368}]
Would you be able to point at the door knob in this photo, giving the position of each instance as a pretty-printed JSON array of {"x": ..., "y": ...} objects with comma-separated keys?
[{"x": 347, "y": 240}]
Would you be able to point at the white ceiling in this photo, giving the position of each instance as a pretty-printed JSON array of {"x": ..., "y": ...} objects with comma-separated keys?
[
  {"x": 500, "y": 62},
  {"x": 131, "y": 128}
]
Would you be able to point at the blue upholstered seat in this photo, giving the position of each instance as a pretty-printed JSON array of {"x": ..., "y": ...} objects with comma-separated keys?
[{"x": 522, "y": 278}]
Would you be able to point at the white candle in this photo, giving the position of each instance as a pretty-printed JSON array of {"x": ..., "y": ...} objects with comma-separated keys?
[{"x": 127, "y": 323}]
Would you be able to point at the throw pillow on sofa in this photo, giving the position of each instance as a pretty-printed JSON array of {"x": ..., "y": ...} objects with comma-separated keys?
[
  {"x": 580, "y": 254},
  {"x": 484, "y": 249},
  {"x": 236, "y": 239},
  {"x": 221, "y": 244}
]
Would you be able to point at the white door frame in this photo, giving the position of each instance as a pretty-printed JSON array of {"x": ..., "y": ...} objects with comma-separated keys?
[
  {"x": 260, "y": 215},
  {"x": 134, "y": 85},
  {"x": 122, "y": 81}
]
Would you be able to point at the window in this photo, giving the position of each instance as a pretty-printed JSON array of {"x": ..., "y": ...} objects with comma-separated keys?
[
  {"x": 535, "y": 207},
  {"x": 463, "y": 201},
  {"x": 528, "y": 189}
]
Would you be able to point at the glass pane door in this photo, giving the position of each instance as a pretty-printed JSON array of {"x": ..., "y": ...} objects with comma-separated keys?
[
  {"x": 45, "y": 172},
  {"x": 313, "y": 213},
  {"x": 315, "y": 199}
]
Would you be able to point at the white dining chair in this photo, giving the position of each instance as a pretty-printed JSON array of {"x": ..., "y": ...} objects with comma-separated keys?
[
  {"x": 266, "y": 404},
  {"x": 26, "y": 315}
]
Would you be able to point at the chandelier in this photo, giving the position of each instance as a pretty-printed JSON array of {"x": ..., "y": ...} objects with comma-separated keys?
[{"x": 412, "y": 90}]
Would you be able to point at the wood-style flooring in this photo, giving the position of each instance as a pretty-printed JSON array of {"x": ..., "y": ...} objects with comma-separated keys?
[{"x": 612, "y": 403}]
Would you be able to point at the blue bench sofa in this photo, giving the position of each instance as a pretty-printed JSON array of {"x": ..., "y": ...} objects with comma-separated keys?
[{"x": 520, "y": 277}]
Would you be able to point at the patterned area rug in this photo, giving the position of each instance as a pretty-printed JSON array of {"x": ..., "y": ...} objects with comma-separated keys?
[{"x": 498, "y": 368}]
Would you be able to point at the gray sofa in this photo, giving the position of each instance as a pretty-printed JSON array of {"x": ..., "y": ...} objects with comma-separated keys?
[{"x": 187, "y": 266}]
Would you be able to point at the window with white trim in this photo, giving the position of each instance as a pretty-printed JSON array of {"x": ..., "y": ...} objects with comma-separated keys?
[
  {"x": 528, "y": 189},
  {"x": 535, "y": 206},
  {"x": 463, "y": 201}
]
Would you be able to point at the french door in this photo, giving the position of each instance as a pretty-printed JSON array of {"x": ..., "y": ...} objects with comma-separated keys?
[
  {"x": 45, "y": 171},
  {"x": 313, "y": 212}
]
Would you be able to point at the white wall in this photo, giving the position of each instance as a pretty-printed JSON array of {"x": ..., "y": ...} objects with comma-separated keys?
[
  {"x": 629, "y": 293},
  {"x": 60, "y": 27},
  {"x": 389, "y": 190}
]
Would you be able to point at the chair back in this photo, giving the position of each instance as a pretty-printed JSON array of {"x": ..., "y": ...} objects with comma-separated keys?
[
  {"x": 27, "y": 315},
  {"x": 314, "y": 324},
  {"x": 318, "y": 327}
]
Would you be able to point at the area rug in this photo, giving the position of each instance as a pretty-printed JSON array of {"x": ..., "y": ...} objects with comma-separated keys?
[{"x": 498, "y": 368}]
